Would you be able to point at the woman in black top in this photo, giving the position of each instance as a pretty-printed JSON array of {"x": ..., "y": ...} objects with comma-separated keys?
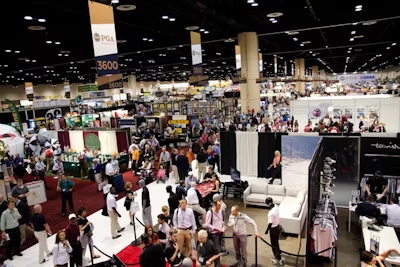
[
  {"x": 129, "y": 198},
  {"x": 87, "y": 228}
]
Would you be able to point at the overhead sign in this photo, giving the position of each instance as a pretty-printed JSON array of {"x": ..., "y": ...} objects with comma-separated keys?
[
  {"x": 260, "y": 63},
  {"x": 92, "y": 142},
  {"x": 178, "y": 122},
  {"x": 88, "y": 88},
  {"x": 29, "y": 91},
  {"x": 105, "y": 46},
  {"x": 67, "y": 90},
  {"x": 15, "y": 114},
  {"x": 97, "y": 94},
  {"x": 356, "y": 78},
  {"x": 197, "y": 56},
  {"x": 54, "y": 113},
  {"x": 238, "y": 58}
]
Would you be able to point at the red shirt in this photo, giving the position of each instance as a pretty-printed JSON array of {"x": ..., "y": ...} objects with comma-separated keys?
[{"x": 73, "y": 233}]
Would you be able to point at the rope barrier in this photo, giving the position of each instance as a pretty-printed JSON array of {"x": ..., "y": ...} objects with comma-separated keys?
[
  {"x": 102, "y": 252},
  {"x": 295, "y": 255},
  {"x": 232, "y": 236},
  {"x": 139, "y": 221}
]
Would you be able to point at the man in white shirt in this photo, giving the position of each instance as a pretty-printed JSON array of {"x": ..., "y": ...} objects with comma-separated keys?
[
  {"x": 194, "y": 199},
  {"x": 163, "y": 229},
  {"x": 109, "y": 171},
  {"x": 393, "y": 213},
  {"x": 113, "y": 214},
  {"x": 185, "y": 222},
  {"x": 238, "y": 221},
  {"x": 275, "y": 230}
]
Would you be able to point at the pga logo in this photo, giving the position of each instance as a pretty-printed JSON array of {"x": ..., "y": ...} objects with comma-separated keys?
[
  {"x": 103, "y": 38},
  {"x": 196, "y": 53}
]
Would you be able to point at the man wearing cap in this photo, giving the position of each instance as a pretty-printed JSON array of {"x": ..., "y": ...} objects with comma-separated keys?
[
  {"x": 41, "y": 230},
  {"x": 73, "y": 236},
  {"x": 377, "y": 186},
  {"x": 275, "y": 229},
  {"x": 113, "y": 214},
  {"x": 217, "y": 152},
  {"x": 189, "y": 179}
]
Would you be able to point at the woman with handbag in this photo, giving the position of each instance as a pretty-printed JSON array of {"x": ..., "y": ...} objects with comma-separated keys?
[
  {"x": 129, "y": 198},
  {"x": 86, "y": 228}
]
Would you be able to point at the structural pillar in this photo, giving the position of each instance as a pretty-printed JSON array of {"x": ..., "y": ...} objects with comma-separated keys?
[
  {"x": 322, "y": 74},
  {"x": 132, "y": 86},
  {"x": 300, "y": 75},
  {"x": 250, "y": 90},
  {"x": 315, "y": 76}
]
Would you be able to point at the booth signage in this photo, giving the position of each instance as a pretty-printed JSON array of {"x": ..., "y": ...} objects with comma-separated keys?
[
  {"x": 54, "y": 113},
  {"x": 97, "y": 94},
  {"x": 87, "y": 88},
  {"x": 67, "y": 90},
  {"x": 382, "y": 145},
  {"x": 197, "y": 55},
  {"x": 178, "y": 122},
  {"x": 92, "y": 142},
  {"x": 390, "y": 145},
  {"x": 15, "y": 114},
  {"x": 29, "y": 91},
  {"x": 356, "y": 78}
]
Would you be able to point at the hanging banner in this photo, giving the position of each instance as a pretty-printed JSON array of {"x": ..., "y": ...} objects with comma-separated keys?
[
  {"x": 260, "y": 64},
  {"x": 238, "y": 59},
  {"x": 292, "y": 70},
  {"x": 15, "y": 114},
  {"x": 285, "y": 69},
  {"x": 276, "y": 66},
  {"x": 87, "y": 88},
  {"x": 67, "y": 90},
  {"x": 197, "y": 57},
  {"x": 29, "y": 91},
  {"x": 105, "y": 46}
]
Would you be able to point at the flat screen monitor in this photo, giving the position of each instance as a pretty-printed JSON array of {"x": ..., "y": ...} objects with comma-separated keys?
[{"x": 235, "y": 174}]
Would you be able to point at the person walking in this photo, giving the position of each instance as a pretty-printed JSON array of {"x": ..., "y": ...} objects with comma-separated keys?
[
  {"x": 217, "y": 152},
  {"x": 113, "y": 214},
  {"x": 74, "y": 238},
  {"x": 215, "y": 224},
  {"x": 238, "y": 221},
  {"x": 202, "y": 164},
  {"x": 40, "y": 170},
  {"x": 66, "y": 187},
  {"x": 275, "y": 230},
  {"x": 276, "y": 167},
  {"x": 24, "y": 228},
  {"x": 87, "y": 228},
  {"x": 41, "y": 230},
  {"x": 182, "y": 163},
  {"x": 61, "y": 250},
  {"x": 146, "y": 206},
  {"x": 174, "y": 156},
  {"x": 9, "y": 226},
  {"x": 185, "y": 222},
  {"x": 173, "y": 201}
]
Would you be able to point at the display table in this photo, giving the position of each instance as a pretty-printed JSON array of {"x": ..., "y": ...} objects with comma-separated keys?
[
  {"x": 352, "y": 208},
  {"x": 204, "y": 188},
  {"x": 37, "y": 193},
  {"x": 387, "y": 240}
]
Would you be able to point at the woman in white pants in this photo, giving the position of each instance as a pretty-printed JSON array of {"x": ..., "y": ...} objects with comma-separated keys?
[{"x": 41, "y": 230}]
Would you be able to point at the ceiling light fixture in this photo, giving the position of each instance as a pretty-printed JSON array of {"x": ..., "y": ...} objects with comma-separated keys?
[
  {"x": 206, "y": 32},
  {"x": 126, "y": 7},
  {"x": 274, "y": 15},
  {"x": 250, "y": 1},
  {"x": 41, "y": 20},
  {"x": 351, "y": 39},
  {"x": 57, "y": 43},
  {"x": 254, "y": 4},
  {"x": 150, "y": 40},
  {"x": 394, "y": 44},
  {"x": 359, "y": 36},
  {"x": 172, "y": 19},
  {"x": 295, "y": 39},
  {"x": 17, "y": 52},
  {"x": 164, "y": 17},
  {"x": 114, "y": 1},
  {"x": 28, "y": 18},
  {"x": 353, "y": 32},
  {"x": 192, "y": 28},
  {"x": 36, "y": 28},
  {"x": 48, "y": 42},
  {"x": 144, "y": 39},
  {"x": 59, "y": 55},
  {"x": 369, "y": 23},
  {"x": 290, "y": 33},
  {"x": 8, "y": 51},
  {"x": 274, "y": 21},
  {"x": 359, "y": 7}
]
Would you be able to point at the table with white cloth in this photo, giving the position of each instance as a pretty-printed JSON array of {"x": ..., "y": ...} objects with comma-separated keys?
[
  {"x": 387, "y": 240},
  {"x": 352, "y": 208}
]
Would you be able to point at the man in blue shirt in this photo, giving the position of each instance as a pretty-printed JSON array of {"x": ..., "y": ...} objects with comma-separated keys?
[
  {"x": 217, "y": 152},
  {"x": 190, "y": 178},
  {"x": 66, "y": 186}
]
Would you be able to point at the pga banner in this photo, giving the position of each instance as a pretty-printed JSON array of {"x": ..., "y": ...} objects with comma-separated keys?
[{"x": 105, "y": 46}]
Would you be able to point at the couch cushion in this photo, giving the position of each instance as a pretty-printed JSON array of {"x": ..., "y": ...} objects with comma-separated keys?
[
  {"x": 302, "y": 192},
  {"x": 286, "y": 207},
  {"x": 300, "y": 199},
  {"x": 276, "y": 190},
  {"x": 259, "y": 188},
  {"x": 256, "y": 197},
  {"x": 296, "y": 210},
  {"x": 292, "y": 192},
  {"x": 277, "y": 199}
]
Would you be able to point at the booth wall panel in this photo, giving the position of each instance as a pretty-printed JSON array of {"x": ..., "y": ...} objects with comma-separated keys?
[
  {"x": 76, "y": 140},
  {"x": 247, "y": 153},
  {"x": 228, "y": 152},
  {"x": 108, "y": 141},
  {"x": 63, "y": 139}
]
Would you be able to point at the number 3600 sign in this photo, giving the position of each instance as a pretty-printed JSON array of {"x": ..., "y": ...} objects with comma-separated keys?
[{"x": 105, "y": 65}]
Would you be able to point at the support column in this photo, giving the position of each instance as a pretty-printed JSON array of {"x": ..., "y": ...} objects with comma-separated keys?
[
  {"x": 132, "y": 85},
  {"x": 315, "y": 76},
  {"x": 322, "y": 74},
  {"x": 249, "y": 91},
  {"x": 299, "y": 75}
]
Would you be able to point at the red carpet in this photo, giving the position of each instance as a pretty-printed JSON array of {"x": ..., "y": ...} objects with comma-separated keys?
[
  {"x": 130, "y": 255},
  {"x": 85, "y": 194}
]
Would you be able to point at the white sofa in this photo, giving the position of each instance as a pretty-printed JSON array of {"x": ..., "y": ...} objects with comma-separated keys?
[{"x": 293, "y": 203}]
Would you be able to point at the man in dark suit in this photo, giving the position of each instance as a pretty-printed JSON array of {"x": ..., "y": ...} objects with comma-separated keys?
[
  {"x": 368, "y": 208},
  {"x": 180, "y": 190},
  {"x": 173, "y": 201},
  {"x": 182, "y": 163}
]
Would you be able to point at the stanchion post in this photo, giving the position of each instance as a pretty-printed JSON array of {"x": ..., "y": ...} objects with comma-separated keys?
[
  {"x": 91, "y": 253},
  {"x": 135, "y": 242},
  {"x": 256, "y": 253}
]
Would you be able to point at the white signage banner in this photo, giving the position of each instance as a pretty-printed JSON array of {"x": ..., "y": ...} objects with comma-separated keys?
[
  {"x": 37, "y": 193},
  {"x": 238, "y": 61},
  {"x": 260, "y": 65},
  {"x": 29, "y": 90},
  {"x": 104, "y": 39},
  {"x": 356, "y": 78},
  {"x": 197, "y": 57}
]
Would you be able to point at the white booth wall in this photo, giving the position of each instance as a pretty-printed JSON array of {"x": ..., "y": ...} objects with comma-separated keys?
[{"x": 388, "y": 109}]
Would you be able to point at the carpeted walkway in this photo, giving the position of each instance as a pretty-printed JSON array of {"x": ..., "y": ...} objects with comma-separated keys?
[
  {"x": 85, "y": 194},
  {"x": 130, "y": 255}
]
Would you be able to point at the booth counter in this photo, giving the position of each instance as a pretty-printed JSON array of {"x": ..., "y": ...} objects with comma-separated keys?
[{"x": 385, "y": 108}]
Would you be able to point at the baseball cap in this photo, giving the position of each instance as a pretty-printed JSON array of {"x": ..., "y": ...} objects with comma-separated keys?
[
  {"x": 329, "y": 160},
  {"x": 190, "y": 173},
  {"x": 72, "y": 216}
]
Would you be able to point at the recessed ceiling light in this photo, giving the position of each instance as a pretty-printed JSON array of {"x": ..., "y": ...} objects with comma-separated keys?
[
  {"x": 301, "y": 44},
  {"x": 126, "y": 7},
  {"x": 274, "y": 21},
  {"x": 206, "y": 32},
  {"x": 8, "y": 51},
  {"x": 41, "y": 20},
  {"x": 115, "y": 1},
  {"x": 353, "y": 32},
  {"x": 165, "y": 17},
  {"x": 57, "y": 43},
  {"x": 48, "y": 42},
  {"x": 250, "y": 1},
  {"x": 192, "y": 28},
  {"x": 274, "y": 15},
  {"x": 150, "y": 40},
  {"x": 351, "y": 39},
  {"x": 271, "y": 19},
  {"x": 144, "y": 39},
  {"x": 17, "y": 52},
  {"x": 59, "y": 55},
  {"x": 36, "y": 28},
  {"x": 27, "y": 60},
  {"x": 394, "y": 44},
  {"x": 369, "y": 23},
  {"x": 359, "y": 7},
  {"x": 295, "y": 39},
  {"x": 388, "y": 47},
  {"x": 28, "y": 18},
  {"x": 202, "y": 30},
  {"x": 254, "y": 4},
  {"x": 172, "y": 19}
]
